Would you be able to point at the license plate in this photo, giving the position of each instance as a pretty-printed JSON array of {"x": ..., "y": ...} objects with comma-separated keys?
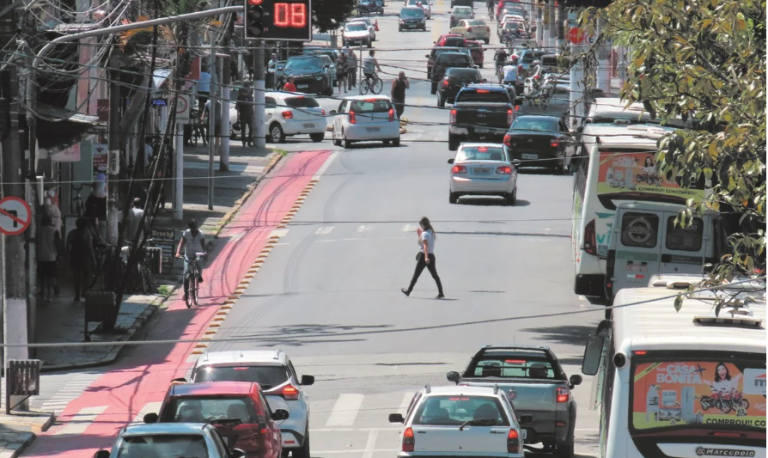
[
  {"x": 303, "y": 86},
  {"x": 530, "y": 156},
  {"x": 524, "y": 433},
  {"x": 372, "y": 129},
  {"x": 309, "y": 125},
  {"x": 480, "y": 130},
  {"x": 481, "y": 170}
]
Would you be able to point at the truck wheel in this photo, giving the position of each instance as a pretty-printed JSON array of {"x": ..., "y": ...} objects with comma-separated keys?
[
  {"x": 433, "y": 88},
  {"x": 453, "y": 143},
  {"x": 565, "y": 450}
]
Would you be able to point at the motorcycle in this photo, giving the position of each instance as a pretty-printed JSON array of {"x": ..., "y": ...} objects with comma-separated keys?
[{"x": 725, "y": 402}]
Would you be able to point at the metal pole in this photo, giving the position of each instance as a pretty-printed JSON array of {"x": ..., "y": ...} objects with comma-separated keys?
[
  {"x": 114, "y": 158},
  {"x": 212, "y": 99},
  {"x": 178, "y": 166},
  {"x": 603, "y": 62},
  {"x": 577, "y": 77},
  {"x": 224, "y": 90},
  {"x": 259, "y": 88},
  {"x": 552, "y": 28}
]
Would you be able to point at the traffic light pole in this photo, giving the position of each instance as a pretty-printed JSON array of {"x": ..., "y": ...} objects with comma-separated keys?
[{"x": 258, "y": 95}]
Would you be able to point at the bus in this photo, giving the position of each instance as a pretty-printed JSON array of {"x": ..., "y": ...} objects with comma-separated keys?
[
  {"x": 680, "y": 384},
  {"x": 613, "y": 163}
]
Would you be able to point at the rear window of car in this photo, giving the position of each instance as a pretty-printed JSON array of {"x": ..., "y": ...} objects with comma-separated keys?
[
  {"x": 514, "y": 365},
  {"x": 455, "y": 410},
  {"x": 462, "y": 11},
  {"x": 531, "y": 56},
  {"x": 483, "y": 96},
  {"x": 412, "y": 12},
  {"x": 513, "y": 25},
  {"x": 537, "y": 124},
  {"x": 464, "y": 73},
  {"x": 204, "y": 409},
  {"x": 370, "y": 106},
  {"x": 478, "y": 22},
  {"x": 356, "y": 27},
  {"x": 453, "y": 58},
  {"x": 165, "y": 445},
  {"x": 454, "y": 41},
  {"x": 301, "y": 102},
  {"x": 266, "y": 376},
  {"x": 481, "y": 153}
]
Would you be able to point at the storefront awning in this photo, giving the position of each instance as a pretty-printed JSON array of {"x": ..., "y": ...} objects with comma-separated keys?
[{"x": 70, "y": 128}]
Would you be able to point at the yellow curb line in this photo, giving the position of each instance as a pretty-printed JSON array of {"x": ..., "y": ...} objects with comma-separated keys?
[
  {"x": 226, "y": 307},
  {"x": 214, "y": 325},
  {"x": 211, "y": 331},
  {"x": 281, "y": 226}
]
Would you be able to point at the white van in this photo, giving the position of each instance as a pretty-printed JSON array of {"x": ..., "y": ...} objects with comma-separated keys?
[{"x": 685, "y": 384}]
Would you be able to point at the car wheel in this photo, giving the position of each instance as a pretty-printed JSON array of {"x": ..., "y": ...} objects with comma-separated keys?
[
  {"x": 453, "y": 143},
  {"x": 453, "y": 198},
  {"x": 433, "y": 89},
  {"x": 487, "y": 40},
  {"x": 481, "y": 65},
  {"x": 565, "y": 450},
  {"x": 317, "y": 137},
  {"x": 276, "y": 133},
  {"x": 399, "y": 29},
  {"x": 329, "y": 90},
  {"x": 396, "y": 142},
  {"x": 347, "y": 144},
  {"x": 386, "y": 142},
  {"x": 303, "y": 452},
  {"x": 337, "y": 142},
  {"x": 511, "y": 198}
]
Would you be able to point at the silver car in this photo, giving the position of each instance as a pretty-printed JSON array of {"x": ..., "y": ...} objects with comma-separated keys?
[
  {"x": 483, "y": 169},
  {"x": 197, "y": 440},
  {"x": 273, "y": 370}
]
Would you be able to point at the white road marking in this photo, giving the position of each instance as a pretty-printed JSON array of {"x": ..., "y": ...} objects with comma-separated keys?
[
  {"x": 364, "y": 228},
  {"x": 405, "y": 403},
  {"x": 278, "y": 233},
  {"x": 150, "y": 407},
  {"x": 378, "y": 450},
  {"x": 322, "y": 230},
  {"x": 70, "y": 391},
  {"x": 81, "y": 421},
  {"x": 409, "y": 227},
  {"x": 345, "y": 410},
  {"x": 349, "y": 430},
  {"x": 325, "y": 165},
  {"x": 371, "y": 444},
  {"x": 353, "y": 238},
  {"x": 239, "y": 168}
]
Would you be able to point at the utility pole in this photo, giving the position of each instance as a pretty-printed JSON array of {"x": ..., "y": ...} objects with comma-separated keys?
[
  {"x": 259, "y": 89},
  {"x": 603, "y": 61},
  {"x": 178, "y": 169},
  {"x": 213, "y": 100},
  {"x": 577, "y": 77},
  {"x": 225, "y": 80},
  {"x": 114, "y": 156},
  {"x": 552, "y": 28},
  {"x": 30, "y": 236}
]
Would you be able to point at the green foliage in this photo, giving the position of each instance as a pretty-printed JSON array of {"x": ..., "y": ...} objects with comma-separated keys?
[
  {"x": 330, "y": 14},
  {"x": 703, "y": 61}
]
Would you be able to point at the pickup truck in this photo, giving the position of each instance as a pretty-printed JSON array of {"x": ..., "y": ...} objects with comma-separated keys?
[
  {"x": 536, "y": 385},
  {"x": 481, "y": 112}
]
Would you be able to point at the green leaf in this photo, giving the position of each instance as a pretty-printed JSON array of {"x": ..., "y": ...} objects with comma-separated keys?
[{"x": 678, "y": 302}]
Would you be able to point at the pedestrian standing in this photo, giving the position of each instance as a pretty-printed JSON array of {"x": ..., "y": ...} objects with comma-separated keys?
[
  {"x": 425, "y": 257},
  {"x": 134, "y": 220},
  {"x": 289, "y": 86},
  {"x": 271, "y": 68},
  {"x": 341, "y": 72},
  {"x": 82, "y": 258},
  {"x": 351, "y": 68},
  {"x": 399, "y": 85},
  {"x": 217, "y": 119},
  {"x": 245, "y": 113},
  {"x": 203, "y": 87},
  {"x": 48, "y": 243}
]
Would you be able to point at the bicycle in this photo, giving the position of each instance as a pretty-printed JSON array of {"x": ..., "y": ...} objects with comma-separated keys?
[
  {"x": 198, "y": 130},
  {"x": 191, "y": 280},
  {"x": 142, "y": 280},
  {"x": 371, "y": 83}
]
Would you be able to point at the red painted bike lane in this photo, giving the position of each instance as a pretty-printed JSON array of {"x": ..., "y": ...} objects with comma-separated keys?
[{"x": 92, "y": 421}]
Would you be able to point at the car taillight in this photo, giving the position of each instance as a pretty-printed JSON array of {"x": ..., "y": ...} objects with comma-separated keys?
[
  {"x": 287, "y": 114},
  {"x": 505, "y": 170},
  {"x": 391, "y": 114},
  {"x": 352, "y": 117},
  {"x": 290, "y": 393},
  {"x": 508, "y": 140},
  {"x": 554, "y": 143},
  {"x": 510, "y": 116},
  {"x": 513, "y": 441},
  {"x": 469, "y": 29},
  {"x": 459, "y": 169},
  {"x": 445, "y": 83},
  {"x": 453, "y": 17},
  {"x": 452, "y": 118},
  {"x": 409, "y": 441},
  {"x": 590, "y": 238},
  {"x": 323, "y": 112},
  {"x": 520, "y": 68},
  {"x": 562, "y": 394}
]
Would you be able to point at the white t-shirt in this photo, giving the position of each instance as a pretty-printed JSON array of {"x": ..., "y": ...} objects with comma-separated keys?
[
  {"x": 193, "y": 243},
  {"x": 429, "y": 238},
  {"x": 368, "y": 65},
  {"x": 725, "y": 386}
]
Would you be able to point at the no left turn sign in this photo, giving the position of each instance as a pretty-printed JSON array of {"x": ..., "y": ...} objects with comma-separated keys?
[{"x": 15, "y": 216}]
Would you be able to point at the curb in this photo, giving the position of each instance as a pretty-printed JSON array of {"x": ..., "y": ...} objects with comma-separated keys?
[{"x": 27, "y": 441}]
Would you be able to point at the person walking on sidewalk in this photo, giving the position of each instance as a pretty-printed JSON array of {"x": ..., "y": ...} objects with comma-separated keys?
[
  {"x": 134, "y": 219},
  {"x": 48, "y": 243},
  {"x": 341, "y": 72},
  {"x": 425, "y": 257},
  {"x": 351, "y": 68},
  {"x": 217, "y": 120},
  {"x": 399, "y": 85},
  {"x": 245, "y": 113},
  {"x": 82, "y": 258},
  {"x": 192, "y": 242}
]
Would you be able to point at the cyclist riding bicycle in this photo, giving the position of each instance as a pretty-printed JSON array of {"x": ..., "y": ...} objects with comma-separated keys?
[
  {"x": 370, "y": 65},
  {"x": 192, "y": 242},
  {"x": 501, "y": 58},
  {"x": 491, "y": 7}
]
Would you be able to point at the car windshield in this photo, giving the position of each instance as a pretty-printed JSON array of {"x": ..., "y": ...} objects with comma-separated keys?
[
  {"x": 266, "y": 376},
  {"x": 356, "y": 27},
  {"x": 370, "y": 106},
  {"x": 513, "y": 25},
  {"x": 311, "y": 63},
  {"x": 454, "y": 41},
  {"x": 163, "y": 446},
  {"x": 538, "y": 124},
  {"x": 412, "y": 13},
  {"x": 301, "y": 102},
  {"x": 483, "y": 96},
  {"x": 462, "y": 11},
  {"x": 531, "y": 56},
  {"x": 518, "y": 365},
  {"x": 477, "y": 23},
  {"x": 200, "y": 409},
  {"x": 456, "y": 410},
  {"x": 464, "y": 74},
  {"x": 452, "y": 59},
  {"x": 481, "y": 153}
]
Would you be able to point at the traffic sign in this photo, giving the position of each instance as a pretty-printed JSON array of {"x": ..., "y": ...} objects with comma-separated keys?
[
  {"x": 575, "y": 35},
  {"x": 590, "y": 40},
  {"x": 15, "y": 216},
  {"x": 182, "y": 109}
]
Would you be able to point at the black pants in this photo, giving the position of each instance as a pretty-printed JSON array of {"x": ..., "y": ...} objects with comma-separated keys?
[
  {"x": 399, "y": 106},
  {"x": 246, "y": 129},
  {"x": 432, "y": 267},
  {"x": 81, "y": 277}
]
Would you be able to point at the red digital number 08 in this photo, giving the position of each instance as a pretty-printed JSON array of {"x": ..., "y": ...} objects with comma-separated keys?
[{"x": 290, "y": 15}]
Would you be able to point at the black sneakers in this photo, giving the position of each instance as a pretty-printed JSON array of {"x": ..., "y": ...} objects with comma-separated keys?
[
  {"x": 440, "y": 296},
  {"x": 405, "y": 291}
]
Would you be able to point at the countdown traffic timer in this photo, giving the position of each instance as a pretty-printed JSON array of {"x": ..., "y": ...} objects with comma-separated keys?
[{"x": 289, "y": 20}]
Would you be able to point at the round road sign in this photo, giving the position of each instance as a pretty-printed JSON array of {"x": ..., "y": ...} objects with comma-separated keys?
[
  {"x": 182, "y": 105},
  {"x": 15, "y": 216},
  {"x": 575, "y": 35}
]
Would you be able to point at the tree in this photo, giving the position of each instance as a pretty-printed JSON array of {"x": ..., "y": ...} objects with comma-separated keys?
[
  {"x": 329, "y": 15},
  {"x": 702, "y": 60}
]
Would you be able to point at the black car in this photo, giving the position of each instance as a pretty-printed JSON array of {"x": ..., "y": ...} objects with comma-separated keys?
[
  {"x": 448, "y": 60},
  {"x": 455, "y": 79},
  {"x": 309, "y": 74},
  {"x": 437, "y": 50},
  {"x": 481, "y": 112},
  {"x": 370, "y": 7},
  {"x": 412, "y": 18},
  {"x": 540, "y": 141}
]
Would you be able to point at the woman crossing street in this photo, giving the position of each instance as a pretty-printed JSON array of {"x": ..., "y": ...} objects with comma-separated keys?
[{"x": 425, "y": 257}]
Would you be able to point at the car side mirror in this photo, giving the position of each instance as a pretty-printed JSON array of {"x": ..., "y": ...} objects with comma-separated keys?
[
  {"x": 580, "y": 130},
  {"x": 525, "y": 419},
  {"x": 450, "y": 161},
  {"x": 151, "y": 418},
  {"x": 280, "y": 414},
  {"x": 333, "y": 112},
  {"x": 519, "y": 101},
  {"x": 396, "y": 418},
  {"x": 592, "y": 354},
  {"x": 575, "y": 380},
  {"x": 101, "y": 454},
  {"x": 237, "y": 453},
  {"x": 307, "y": 380},
  {"x": 453, "y": 376},
  {"x": 426, "y": 55}
]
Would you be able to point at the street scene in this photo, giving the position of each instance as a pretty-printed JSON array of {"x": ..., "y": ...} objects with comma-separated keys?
[{"x": 369, "y": 228}]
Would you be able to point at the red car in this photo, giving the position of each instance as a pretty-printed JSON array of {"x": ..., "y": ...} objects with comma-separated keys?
[
  {"x": 454, "y": 40},
  {"x": 478, "y": 53},
  {"x": 238, "y": 410}
]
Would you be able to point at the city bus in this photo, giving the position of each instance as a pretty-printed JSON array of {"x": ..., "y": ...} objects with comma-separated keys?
[{"x": 679, "y": 384}]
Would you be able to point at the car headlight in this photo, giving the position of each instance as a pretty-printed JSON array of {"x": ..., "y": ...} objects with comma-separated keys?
[
  {"x": 319, "y": 77},
  {"x": 423, "y": 19}
]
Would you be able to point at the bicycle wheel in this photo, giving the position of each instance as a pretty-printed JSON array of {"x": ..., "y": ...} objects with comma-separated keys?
[
  {"x": 192, "y": 285},
  {"x": 364, "y": 87},
  {"x": 378, "y": 85},
  {"x": 194, "y": 292}
]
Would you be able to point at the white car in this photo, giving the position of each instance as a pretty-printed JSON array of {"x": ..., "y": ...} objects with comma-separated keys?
[
  {"x": 287, "y": 114},
  {"x": 365, "y": 118},
  {"x": 371, "y": 24},
  {"x": 483, "y": 169},
  {"x": 460, "y": 421},
  {"x": 170, "y": 439},
  {"x": 426, "y": 5},
  {"x": 356, "y": 33}
]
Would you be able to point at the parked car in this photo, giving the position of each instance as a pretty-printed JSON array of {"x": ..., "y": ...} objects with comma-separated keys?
[
  {"x": 198, "y": 440},
  {"x": 477, "y": 52},
  {"x": 370, "y": 7},
  {"x": 538, "y": 388},
  {"x": 482, "y": 169},
  {"x": 451, "y": 40},
  {"x": 275, "y": 373},
  {"x": 426, "y": 5},
  {"x": 238, "y": 410},
  {"x": 473, "y": 29},
  {"x": 455, "y": 79},
  {"x": 447, "y": 60},
  {"x": 435, "y": 53},
  {"x": 446, "y": 421},
  {"x": 461, "y": 12},
  {"x": 481, "y": 112},
  {"x": 540, "y": 141},
  {"x": 366, "y": 118},
  {"x": 412, "y": 18},
  {"x": 356, "y": 33},
  {"x": 330, "y": 67},
  {"x": 310, "y": 74}
]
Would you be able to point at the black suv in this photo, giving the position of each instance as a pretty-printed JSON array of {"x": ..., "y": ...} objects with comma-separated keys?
[
  {"x": 448, "y": 60},
  {"x": 309, "y": 74},
  {"x": 455, "y": 79}
]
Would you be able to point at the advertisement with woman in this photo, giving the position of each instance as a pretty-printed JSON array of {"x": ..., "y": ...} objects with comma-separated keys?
[{"x": 708, "y": 393}]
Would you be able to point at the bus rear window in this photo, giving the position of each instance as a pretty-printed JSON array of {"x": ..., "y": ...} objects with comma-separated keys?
[{"x": 685, "y": 238}]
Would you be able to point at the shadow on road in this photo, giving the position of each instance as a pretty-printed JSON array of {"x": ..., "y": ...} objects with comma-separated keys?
[
  {"x": 491, "y": 201},
  {"x": 568, "y": 335}
]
